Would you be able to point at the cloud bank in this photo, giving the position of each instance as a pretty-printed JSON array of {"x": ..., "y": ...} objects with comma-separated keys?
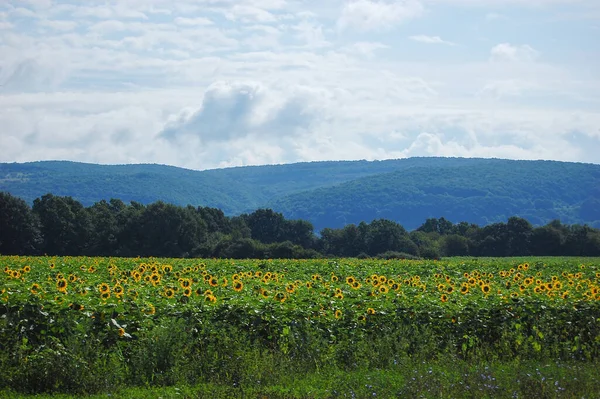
[{"x": 205, "y": 84}]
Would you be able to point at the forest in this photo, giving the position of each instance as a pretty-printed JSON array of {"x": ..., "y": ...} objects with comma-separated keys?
[{"x": 61, "y": 225}]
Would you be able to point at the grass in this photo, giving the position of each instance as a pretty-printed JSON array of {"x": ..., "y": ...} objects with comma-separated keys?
[{"x": 410, "y": 379}]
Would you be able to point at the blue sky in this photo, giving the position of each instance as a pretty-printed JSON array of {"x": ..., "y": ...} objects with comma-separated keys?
[{"x": 214, "y": 83}]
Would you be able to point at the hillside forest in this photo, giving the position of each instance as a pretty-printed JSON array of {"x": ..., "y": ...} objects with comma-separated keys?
[{"x": 61, "y": 225}]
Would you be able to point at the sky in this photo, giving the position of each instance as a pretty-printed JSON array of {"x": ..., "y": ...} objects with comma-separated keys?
[{"x": 205, "y": 84}]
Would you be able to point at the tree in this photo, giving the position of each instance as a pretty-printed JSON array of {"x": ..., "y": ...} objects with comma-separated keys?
[
  {"x": 519, "y": 233},
  {"x": 19, "y": 228},
  {"x": 65, "y": 225},
  {"x": 385, "y": 235},
  {"x": 103, "y": 238},
  {"x": 266, "y": 225},
  {"x": 547, "y": 240},
  {"x": 455, "y": 245}
]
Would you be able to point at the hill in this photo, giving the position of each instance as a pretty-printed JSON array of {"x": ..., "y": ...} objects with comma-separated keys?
[{"x": 332, "y": 194}]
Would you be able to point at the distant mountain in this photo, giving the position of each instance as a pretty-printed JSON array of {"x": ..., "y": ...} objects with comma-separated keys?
[{"x": 332, "y": 194}]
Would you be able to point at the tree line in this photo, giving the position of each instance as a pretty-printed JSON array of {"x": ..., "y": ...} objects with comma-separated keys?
[{"x": 57, "y": 225}]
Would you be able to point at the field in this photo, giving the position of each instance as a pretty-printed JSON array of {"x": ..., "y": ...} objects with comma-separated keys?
[{"x": 325, "y": 328}]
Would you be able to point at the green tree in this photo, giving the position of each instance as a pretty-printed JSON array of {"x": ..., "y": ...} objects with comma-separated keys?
[
  {"x": 19, "y": 228},
  {"x": 65, "y": 225}
]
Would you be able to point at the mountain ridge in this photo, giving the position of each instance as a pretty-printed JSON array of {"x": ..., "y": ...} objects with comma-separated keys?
[{"x": 334, "y": 193}]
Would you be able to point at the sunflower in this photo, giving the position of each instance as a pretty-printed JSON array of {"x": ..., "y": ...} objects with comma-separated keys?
[
  {"x": 235, "y": 276},
  {"x": 444, "y": 298},
  {"x": 155, "y": 279},
  {"x": 118, "y": 290},
  {"x": 208, "y": 292},
  {"x": 309, "y": 284},
  {"x": 211, "y": 298},
  {"x": 52, "y": 266},
  {"x": 350, "y": 280},
  {"x": 370, "y": 311},
  {"x": 339, "y": 296},
  {"x": 290, "y": 288},
  {"x": 185, "y": 282},
  {"x": 464, "y": 289},
  {"x": 187, "y": 291},
  {"x": 26, "y": 269},
  {"x": 362, "y": 318},
  {"x": 382, "y": 279},
  {"x": 169, "y": 292},
  {"x": 334, "y": 278},
  {"x": 213, "y": 282},
  {"x": 522, "y": 288},
  {"x": 280, "y": 297},
  {"x": 167, "y": 268},
  {"x": 76, "y": 306},
  {"x": 105, "y": 295},
  {"x": 565, "y": 295},
  {"x": 356, "y": 285},
  {"x": 450, "y": 289},
  {"x": 383, "y": 289},
  {"x": 238, "y": 286},
  {"x": 121, "y": 332},
  {"x": 35, "y": 288},
  {"x": 338, "y": 314},
  {"x": 485, "y": 288},
  {"x": 395, "y": 286},
  {"x": 264, "y": 293},
  {"x": 149, "y": 309},
  {"x": 62, "y": 284}
]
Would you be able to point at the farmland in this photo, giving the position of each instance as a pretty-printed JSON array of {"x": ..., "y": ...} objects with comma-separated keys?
[{"x": 511, "y": 327}]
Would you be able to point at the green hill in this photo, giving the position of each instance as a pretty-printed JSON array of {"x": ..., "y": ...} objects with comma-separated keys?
[{"x": 332, "y": 194}]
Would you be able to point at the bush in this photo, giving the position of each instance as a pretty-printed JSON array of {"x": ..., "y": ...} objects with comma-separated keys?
[{"x": 397, "y": 255}]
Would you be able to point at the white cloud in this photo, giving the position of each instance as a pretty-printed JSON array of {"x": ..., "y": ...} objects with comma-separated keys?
[
  {"x": 232, "y": 110},
  {"x": 508, "y": 52},
  {"x": 378, "y": 15},
  {"x": 366, "y": 49},
  {"x": 200, "y": 21},
  {"x": 59, "y": 25},
  {"x": 249, "y": 14},
  {"x": 430, "y": 40}
]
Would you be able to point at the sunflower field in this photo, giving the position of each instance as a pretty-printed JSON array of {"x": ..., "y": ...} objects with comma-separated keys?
[{"x": 75, "y": 324}]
